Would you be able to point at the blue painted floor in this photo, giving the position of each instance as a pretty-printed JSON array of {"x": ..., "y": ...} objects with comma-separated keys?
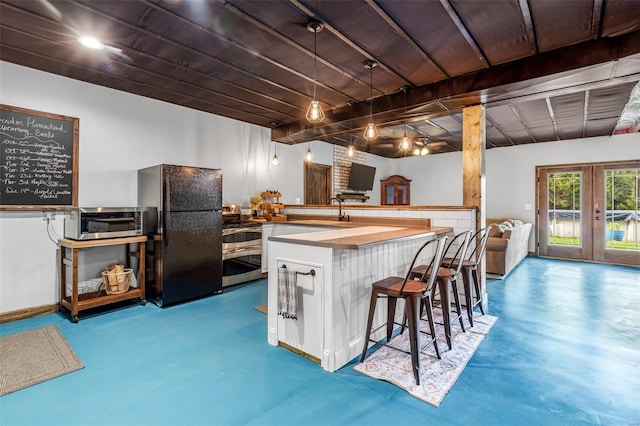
[{"x": 565, "y": 350}]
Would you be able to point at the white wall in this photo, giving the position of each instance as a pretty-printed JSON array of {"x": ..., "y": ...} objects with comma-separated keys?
[
  {"x": 436, "y": 180},
  {"x": 510, "y": 172},
  {"x": 120, "y": 133}
]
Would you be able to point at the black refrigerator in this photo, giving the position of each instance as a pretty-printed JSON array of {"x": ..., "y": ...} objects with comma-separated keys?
[{"x": 182, "y": 211}]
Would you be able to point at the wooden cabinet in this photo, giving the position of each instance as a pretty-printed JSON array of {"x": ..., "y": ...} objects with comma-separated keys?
[
  {"x": 77, "y": 302},
  {"x": 395, "y": 190}
]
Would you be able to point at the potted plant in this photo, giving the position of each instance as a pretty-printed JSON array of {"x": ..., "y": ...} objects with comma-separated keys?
[{"x": 614, "y": 232}]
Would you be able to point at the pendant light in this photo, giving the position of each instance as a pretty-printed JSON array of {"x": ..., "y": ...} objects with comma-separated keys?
[
  {"x": 275, "y": 160},
  {"x": 351, "y": 151},
  {"x": 314, "y": 112},
  {"x": 405, "y": 144},
  {"x": 370, "y": 133},
  {"x": 308, "y": 156},
  {"x": 91, "y": 42}
]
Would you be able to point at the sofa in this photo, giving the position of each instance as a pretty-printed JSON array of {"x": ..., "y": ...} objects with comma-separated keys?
[{"x": 507, "y": 245}]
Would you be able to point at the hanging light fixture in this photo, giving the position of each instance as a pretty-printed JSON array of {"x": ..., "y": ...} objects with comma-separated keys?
[
  {"x": 405, "y": 144},
  {"x": 421, "y": 151},
  {"x": 275, "y": 160},
  {"x": 351, "y": 151},
  {"x": 370, "y": 133},
  {"x": 91, "y": 42},
  {"x": 308, "y": 156},
  {"x": 314, "y": 112}
]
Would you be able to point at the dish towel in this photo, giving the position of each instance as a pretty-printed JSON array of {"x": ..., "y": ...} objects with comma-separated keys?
[{"x": 287, "y": 293}]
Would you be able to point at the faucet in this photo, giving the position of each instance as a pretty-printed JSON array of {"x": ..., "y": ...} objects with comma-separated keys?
[{"x": 341, "y": 216}]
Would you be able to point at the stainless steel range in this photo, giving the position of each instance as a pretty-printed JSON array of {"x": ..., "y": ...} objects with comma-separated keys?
[{"x": 241, "y": 248}]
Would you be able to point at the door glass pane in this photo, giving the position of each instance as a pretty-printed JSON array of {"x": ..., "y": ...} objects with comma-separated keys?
[
  {"x": 564, "y": 195},
  {"x": 389, "y": 196},
  {"x": 622, "y": 209}
]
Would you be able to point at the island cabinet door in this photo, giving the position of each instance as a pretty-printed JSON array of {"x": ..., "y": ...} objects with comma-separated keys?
[{"x": 305, "y": 333}]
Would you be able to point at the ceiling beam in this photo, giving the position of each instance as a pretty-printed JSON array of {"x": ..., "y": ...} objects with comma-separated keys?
[
  {"x": 248, "y": 49},
  {"x": 262, "y": 26},
  {"x": 471, "y": 89},
  {"x": 174, "y": 43},
  {"x": 347, "y": 41},
  {"x": 553, "y": 118},
  {"x": 528, "y": 24},
  {"x": 406, "y": 37},
  {"x": 464, "y": 31}
]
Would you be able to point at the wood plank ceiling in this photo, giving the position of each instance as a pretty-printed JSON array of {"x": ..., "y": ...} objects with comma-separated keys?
[{"x": 545, "y": 70}]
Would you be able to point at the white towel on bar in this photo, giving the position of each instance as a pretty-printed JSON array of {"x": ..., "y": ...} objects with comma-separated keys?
[{"x": 287, "y": 293}]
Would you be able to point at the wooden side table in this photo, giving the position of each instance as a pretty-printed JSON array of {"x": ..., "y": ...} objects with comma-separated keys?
[{"x": 79, "y": 302}]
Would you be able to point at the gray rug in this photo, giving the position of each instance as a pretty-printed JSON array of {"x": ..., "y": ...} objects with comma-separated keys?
[
  {"x": 33, "y": 357},
  {"x": 437, "y": 376}
]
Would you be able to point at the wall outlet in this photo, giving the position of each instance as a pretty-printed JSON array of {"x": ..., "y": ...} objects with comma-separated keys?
[
  {"x": 527, "y": 206},
  {"x": 343, "y": 261}
]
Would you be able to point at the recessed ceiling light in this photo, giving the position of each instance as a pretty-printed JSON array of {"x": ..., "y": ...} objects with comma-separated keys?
[{"x": 91, "y": 43}]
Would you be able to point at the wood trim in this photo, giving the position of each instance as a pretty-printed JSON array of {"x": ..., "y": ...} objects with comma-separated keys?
[
  {"x": 35, "y": 311},
  {"x": 619, "y": 163},
  {"x": 301, "y": 353},
  {"x": 387, "y": 207},
  {"x": 75, "y": 161},
  {"x": 360, "y": 221},
  {"x": 474, "y": 142}
]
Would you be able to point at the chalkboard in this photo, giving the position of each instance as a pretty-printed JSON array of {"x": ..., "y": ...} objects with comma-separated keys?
[{"x": 38, "y": 159}]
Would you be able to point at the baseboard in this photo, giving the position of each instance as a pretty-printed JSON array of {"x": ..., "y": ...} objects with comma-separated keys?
[{"x": 21, "y": 314}]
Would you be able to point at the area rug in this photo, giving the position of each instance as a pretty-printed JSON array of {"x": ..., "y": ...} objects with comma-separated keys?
[
  {"x": 33, "y": 357},
  {"x": 262, "y": 308},
  {"x": 437, "y": 376}
]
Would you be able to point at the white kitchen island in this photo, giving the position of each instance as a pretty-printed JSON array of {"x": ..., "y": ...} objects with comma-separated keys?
[{"x": 333, "y": 304}]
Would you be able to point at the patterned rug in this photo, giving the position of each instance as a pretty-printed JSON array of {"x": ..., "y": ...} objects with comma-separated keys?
[
  {"x": 437, "y": 376},
  {"x": 33, "y": 357}
]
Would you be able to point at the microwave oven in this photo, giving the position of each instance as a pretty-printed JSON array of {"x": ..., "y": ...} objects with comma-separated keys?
[{"x": 93, "y": 223}]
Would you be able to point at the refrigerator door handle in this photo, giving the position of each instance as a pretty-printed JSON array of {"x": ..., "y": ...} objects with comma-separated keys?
[
  {"x": 167, "y": 209},
  {"x": 165, "y": 227}
]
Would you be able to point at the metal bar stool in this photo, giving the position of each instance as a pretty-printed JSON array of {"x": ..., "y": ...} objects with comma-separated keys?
[
  {"x": 412, "y": 291},
  {"x": 447, "y": 278},
  {"x": 470, "y": 271}
]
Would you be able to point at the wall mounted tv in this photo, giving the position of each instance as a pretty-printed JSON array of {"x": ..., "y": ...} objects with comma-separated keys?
[{"x": 361, "y": 177}]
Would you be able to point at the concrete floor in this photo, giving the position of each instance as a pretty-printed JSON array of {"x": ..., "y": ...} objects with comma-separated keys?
[{"x": 565, "y": 350}]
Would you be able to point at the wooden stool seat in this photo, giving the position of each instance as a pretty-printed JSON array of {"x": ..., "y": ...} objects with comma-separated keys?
[
  {"x": 470, "y": 279},
  {"x": 413, "y": 292},
  {"x": 393, "y": 286},
  {"x": 446, "y": 276}
]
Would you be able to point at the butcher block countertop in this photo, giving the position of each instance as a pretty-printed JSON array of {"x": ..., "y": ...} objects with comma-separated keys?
[{"x": 359, "y": 232}]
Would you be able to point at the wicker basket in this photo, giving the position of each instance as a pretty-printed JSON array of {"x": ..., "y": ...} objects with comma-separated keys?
[{"x": 116, "y": 282}]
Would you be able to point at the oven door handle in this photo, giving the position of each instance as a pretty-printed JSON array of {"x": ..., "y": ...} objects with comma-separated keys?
[
  {"x": 230, "y": 231},
  {"x": 242, "y": 251}
]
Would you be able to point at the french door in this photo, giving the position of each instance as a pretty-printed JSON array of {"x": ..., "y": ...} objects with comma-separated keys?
[{"x": 589, "y": 212}]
